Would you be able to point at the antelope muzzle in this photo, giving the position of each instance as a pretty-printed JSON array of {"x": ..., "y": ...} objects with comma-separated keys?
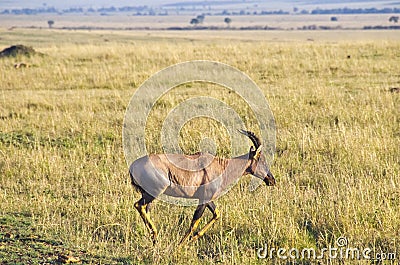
[{"x": 269, "y": 179}]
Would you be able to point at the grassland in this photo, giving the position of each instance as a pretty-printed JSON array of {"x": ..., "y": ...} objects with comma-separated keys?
[{"x": 64, "y": 188}]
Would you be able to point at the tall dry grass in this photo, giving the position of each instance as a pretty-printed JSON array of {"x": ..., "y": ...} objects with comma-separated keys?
[{"x": 337, "y": 163}]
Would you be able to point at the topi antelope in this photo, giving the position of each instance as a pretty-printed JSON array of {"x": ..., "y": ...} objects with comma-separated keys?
[{"x": 199, "y": 176}]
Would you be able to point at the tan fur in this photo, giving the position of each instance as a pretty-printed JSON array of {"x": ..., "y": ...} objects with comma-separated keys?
[{"x": 186, "y": 173}]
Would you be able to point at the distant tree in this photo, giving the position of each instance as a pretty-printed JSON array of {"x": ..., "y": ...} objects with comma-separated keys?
[
  {"x": 295, "y": 9},
  {"x": 51, "y": 23},
  {"x": 194, "y": 21},
  {"x": 334, "y": 19},
  {"x": 394, "y": 19},
  {"x": 228, "y": 21},
  {"x": 200, "y": 18}
]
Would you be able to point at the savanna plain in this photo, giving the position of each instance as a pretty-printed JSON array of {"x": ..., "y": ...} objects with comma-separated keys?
[{"x": 64, "y": 184}]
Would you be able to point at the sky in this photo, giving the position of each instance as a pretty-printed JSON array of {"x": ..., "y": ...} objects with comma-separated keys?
[
  {"x": 80, "y": 3},
  {"x": 70, "y": 3},
  {"x": 17, "y": 4}
]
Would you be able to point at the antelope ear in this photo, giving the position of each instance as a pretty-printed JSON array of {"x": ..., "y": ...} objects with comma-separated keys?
[{"x": 258, "y": 153}]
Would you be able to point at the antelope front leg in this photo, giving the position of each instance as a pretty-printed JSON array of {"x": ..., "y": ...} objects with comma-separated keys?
[
  {"x": 194, "y": 224},
  {"x": 211, "y": 206}
]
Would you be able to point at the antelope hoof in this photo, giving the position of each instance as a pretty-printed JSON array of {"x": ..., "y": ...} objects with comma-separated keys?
[
  {"x": 154, "y": 237},
  {"x": 195, "y": 237}
]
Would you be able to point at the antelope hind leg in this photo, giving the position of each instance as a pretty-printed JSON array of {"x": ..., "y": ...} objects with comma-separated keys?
[{"x": 141, "y": 206}]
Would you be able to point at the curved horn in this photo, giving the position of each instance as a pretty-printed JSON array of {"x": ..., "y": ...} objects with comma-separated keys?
[{"x": 256, "y": 141}]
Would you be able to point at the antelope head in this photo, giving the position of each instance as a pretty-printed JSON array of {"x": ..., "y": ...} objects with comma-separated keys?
[{"x": 258, "y": 166}]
